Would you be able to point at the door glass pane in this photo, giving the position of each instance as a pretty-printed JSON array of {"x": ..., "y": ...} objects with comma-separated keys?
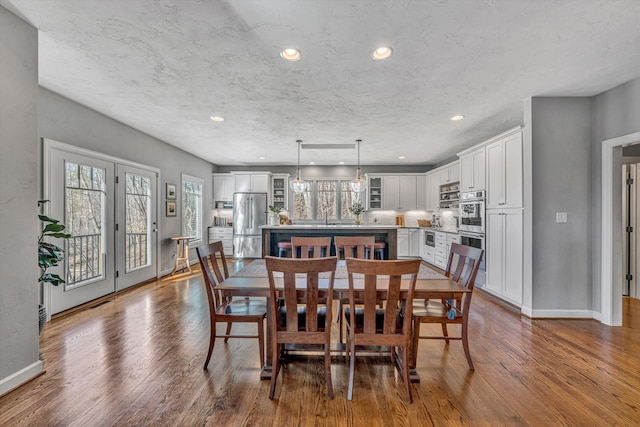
[
  {"x": 137, "y": 210},
  {"x": 85, "y": 211},
  {"x": 192, "y": 207}
]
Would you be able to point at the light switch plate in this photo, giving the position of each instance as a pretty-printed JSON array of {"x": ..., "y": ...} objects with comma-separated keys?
[{"x": 561, "y": 217}]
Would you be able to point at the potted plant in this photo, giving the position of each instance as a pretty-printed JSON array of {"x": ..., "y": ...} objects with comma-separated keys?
[
  {"x": 275, "y": 215},
  {"x": 357, "y": 209},
  {"x": 49, "y": 255}
]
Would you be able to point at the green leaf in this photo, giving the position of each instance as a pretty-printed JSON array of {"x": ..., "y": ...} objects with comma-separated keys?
[
  {"x": 45, "y": 218},
  {"x": 54, "y": 279},
  {"x": 58, "y": 235},
  {"x": 53, "y": 228}
]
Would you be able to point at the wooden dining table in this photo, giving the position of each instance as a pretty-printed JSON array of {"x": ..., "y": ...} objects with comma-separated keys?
[{"x": 431, "y": 288}]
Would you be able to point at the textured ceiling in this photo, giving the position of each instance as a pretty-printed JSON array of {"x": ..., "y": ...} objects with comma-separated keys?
[{"x": 165, "y": 66}]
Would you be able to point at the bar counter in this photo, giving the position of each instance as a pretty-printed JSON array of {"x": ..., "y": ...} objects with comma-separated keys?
[{"x": 272, "y": 234}]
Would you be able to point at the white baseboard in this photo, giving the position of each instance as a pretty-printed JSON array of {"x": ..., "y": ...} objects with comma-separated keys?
[
  {"x": 560, "y": 314},
  {"x": 170, "y": 270},
  {"x": 22, "y": 376}
]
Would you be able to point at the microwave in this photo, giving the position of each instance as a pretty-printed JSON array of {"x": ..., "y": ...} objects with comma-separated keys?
[{"x": 224, "y": 205}]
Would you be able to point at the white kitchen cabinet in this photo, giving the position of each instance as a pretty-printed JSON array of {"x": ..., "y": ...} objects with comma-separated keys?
[
  {"x": 403, "y": 242},
  {"x": 504, "y": 172},
  {"x": 223, "y": 234},
  {"x": 504, "y": 253},
  {"x": 224, "y": 185},
  {"x": 449, "y": 173},
  {"x": 254, "y": 183},
  {"x": 399, "y": 192},
  {"x": 472, "y": 170},
  {"x": 280, "y": 190},
  {"x": 432, "y": 184},
  {"x": 374, "y": 201},
  {"x": 441, "y": 252},
  {"x": 429, "y": 254},
  {"x": 415, "y": 242},
  {"x": 421, "y": 192}
]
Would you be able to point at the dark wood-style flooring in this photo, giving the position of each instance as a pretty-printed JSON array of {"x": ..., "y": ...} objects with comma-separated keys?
[{"x": 137, "y": 359}]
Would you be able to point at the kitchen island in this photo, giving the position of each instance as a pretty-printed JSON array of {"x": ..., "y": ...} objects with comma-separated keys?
[{"x": 272, "y": 234}]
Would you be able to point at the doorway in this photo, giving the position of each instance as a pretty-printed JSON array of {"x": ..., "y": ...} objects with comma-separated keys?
[{"x": 109, "y": 207}]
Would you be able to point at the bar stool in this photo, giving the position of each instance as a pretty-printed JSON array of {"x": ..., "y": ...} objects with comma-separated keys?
[
  {"x": 378, "y": 250},
  {"x": 283, "y": 249},
  {"x": 182, "y": 256}
]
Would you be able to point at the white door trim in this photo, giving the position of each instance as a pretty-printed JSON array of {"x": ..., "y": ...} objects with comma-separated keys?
[{"x": 610, "y": 287}]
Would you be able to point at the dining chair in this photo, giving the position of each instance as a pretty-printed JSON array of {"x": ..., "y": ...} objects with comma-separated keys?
[
  {"x": 351, "y": 247},
  {"x": 462, "y": 267},
  {"x": 225, "y": 309},
  {"x": 305, "y": 317},
  {"x": 388, "y": 326},
  {"x": 311, "y": 247}
]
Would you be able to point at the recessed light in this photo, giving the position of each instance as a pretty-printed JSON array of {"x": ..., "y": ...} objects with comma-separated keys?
[
  {"x": 262, "y": 157},
  {"x": 383, "y": 52},
  {"x": 217, "y": 118},
  {"x": 456, "y": 118},
  {"x": 290, "y": 54},
  {"x": 341, "y": 163},
  {"x": 402, "y": 157},
  {"x": 312, "y": 163}
]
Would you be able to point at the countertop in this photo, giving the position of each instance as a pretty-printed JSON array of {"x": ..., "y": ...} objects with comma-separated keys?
[{"x": 361, "y": 226}]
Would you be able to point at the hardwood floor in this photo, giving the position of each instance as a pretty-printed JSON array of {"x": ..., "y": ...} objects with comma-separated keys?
[{"x": 137, "y": 360}]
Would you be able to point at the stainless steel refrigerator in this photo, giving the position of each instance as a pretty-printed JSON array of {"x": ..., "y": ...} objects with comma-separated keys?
[{"x": 249, "y": 213}]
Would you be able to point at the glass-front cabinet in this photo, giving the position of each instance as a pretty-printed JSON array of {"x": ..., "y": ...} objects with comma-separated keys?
[
  {"x": 375, "y": 192},
  {"x": 279, "y": 186}
]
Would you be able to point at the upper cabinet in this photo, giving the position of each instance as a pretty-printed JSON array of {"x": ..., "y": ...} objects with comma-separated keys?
[
  {"x": 375, "y": 192},
  {"x": 279, "y": 188},
  {"x": 224, "y": 185},
  {"x": 504, "y": 172},
  {"x": 393, "y": 192},
  {"x": 432, "y": 190},
  {"x": 421, "y": 192},
  {"x": 472, "y": 170},
  {"x": 254, "y": 183},
  {"x": 449, "y": 173}
]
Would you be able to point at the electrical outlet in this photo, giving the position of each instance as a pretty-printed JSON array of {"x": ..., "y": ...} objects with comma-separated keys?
[{"x": 561, "y": 217}]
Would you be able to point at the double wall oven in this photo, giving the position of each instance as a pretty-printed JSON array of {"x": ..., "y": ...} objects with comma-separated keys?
[{"x": 472, "y": 220}]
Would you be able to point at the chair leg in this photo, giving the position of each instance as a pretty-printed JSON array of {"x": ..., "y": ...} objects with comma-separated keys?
[
  {"x": 445, "y": 333},
  {"x": 327, "y": 369},
  {"x": 226, "y": 338},
  {"x": 465, "y": 346},
  {"x": 261, "y": 341},
  {"x": 275, "y": 368},
  {"x": 405, "y": 372},
  {"x": 212, "y": 341},
  {"x": 352, "y": 366},
  {"x": 416, "y": 341}
]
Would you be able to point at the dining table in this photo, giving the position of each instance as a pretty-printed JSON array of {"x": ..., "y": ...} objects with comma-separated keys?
[{"x": 254, "y": 282}]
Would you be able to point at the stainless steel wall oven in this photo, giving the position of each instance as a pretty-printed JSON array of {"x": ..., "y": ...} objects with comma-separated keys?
[{"x": 472, "y": 212}]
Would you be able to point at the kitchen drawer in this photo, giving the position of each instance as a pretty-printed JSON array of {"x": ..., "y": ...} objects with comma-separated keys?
[
  {"x": 429, "y": 250},
  {"x": 441, "y": 244},
  {"x": 442, "y": 252},
  {"x": 440, "y": 262},
  {"x": 440, "y": 235},
  {"x": 453, "y": 238}
]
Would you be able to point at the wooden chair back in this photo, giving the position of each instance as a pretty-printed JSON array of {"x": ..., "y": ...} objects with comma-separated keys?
[
  {"x": 388, "y": 326},
  {"x": 310, "y": 324},
  {"x": 463, "y": 264},
  {"x": 355, "y": 246},
  {"x": 211, "y": 257},
  {"x": 311, "y": 247}
]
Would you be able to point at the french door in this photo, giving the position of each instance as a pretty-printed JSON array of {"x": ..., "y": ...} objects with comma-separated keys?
[
  {"x": 109, "y": 208},
  {"x": 135, "y": 226}
]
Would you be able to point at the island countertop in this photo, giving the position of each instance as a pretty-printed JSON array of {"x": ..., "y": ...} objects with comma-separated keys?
[{"x": 272, "y": 234}]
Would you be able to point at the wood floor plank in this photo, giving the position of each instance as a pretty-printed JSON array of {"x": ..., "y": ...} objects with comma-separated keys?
[{"x": 137, "y": 360}]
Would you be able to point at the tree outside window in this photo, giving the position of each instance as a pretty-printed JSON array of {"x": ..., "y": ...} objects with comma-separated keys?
[{"x": 192, "y": 207}]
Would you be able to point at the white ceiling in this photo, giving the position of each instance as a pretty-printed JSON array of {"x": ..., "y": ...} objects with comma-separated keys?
[{"x": 165, "y": 66}]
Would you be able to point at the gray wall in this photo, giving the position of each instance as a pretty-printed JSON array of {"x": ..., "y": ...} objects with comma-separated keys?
[
  {"x": 18, "y": 199},
  {"x": 616, "y": 112},
  {"x": 66, "y": 121},
  {"x": 561, "y": 160}
]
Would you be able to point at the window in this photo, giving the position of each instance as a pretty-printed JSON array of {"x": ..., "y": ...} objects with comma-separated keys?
[
  {"x": 192, "y": 208},
  {"x": 325, "y": 199}
]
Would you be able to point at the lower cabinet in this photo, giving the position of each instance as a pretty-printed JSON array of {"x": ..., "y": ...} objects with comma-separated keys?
[
  {"x": 504, "y": 253},
  {"x": 403, "y": 242},
  {"x": 415, "y": 242},
  {"x": 224, "y": 234},
  {"x": 441, "y": 250},
  {"x": 429, "y": 254}
]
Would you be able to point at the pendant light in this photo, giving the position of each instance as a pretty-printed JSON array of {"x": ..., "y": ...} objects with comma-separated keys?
[
  {"x": 358, "y": 184},
  {"x": 299, "y": 186}
]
